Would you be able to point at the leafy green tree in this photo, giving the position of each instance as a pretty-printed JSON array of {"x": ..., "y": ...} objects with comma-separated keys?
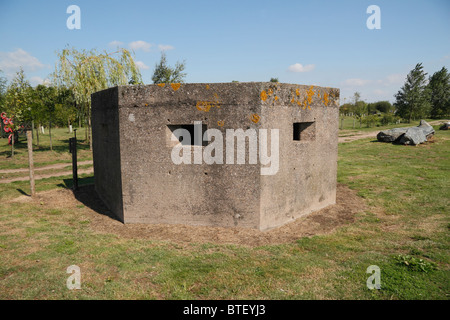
[
  {"x": 37, "y": 98},
  {"x": 360, "y": 107},
  {"x": 17, "y": 103},
  {"x": 439, "y": 86},
  {"x": 273, "y": 79},
  {"x": 166, "y": 74},
  {"x": 86, "y": 72},
  {"x": 413, "y": 99},
  {"x": 383, "y": 106},
  {"x": 65, "y": 110}
]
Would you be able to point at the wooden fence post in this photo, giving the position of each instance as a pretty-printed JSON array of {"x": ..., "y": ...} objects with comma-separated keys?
[{"x": 31, "y": 162}]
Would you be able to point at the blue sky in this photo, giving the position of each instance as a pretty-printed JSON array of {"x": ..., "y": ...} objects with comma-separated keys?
[{"x": 323, "y": 43}]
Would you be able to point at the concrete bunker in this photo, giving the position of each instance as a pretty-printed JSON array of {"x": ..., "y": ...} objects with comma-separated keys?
[{"x": 147, "y": 171}]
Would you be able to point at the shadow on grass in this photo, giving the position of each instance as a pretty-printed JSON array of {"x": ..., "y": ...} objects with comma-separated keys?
[
  {"x": 23, "y": 192},
  {"x": 87, "y": 195}
]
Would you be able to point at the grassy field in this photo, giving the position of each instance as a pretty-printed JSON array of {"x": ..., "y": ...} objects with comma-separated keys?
[
  {"x": 42, "y": 155},
  {"x": 404, "y": 231},
  {"x": 351, "y": 124}
]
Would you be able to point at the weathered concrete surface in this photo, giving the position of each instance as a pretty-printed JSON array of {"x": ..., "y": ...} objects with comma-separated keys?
[
  {"x": 408, "y": 135},
  {"x": 137, "y": 180}
]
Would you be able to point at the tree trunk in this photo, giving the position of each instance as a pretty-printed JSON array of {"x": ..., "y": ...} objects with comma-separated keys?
[
  {"x": 13, "y": 137},
  {"x": 37, "y": 134},
  {"x": 90, "y": 134},
  {"x": 50, "y": 134},
  {"x": 85, "y": 131}
]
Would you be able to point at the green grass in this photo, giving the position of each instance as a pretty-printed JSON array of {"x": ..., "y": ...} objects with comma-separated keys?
[
  {"x": 407, "y": 191},
  {"x": 42, "y": 155},
  {"x": 349, "y": 128}
]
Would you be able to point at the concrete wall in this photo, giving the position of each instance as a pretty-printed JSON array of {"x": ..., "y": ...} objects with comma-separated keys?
[
  {"x": 306, "y": 180},
  {"x": 106, "y": 149},
  {"x": 134, "y": 163}
]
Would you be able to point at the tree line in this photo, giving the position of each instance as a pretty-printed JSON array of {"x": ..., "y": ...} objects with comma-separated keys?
[
  {"x": 420, "y": 97},
  {"x": 66, "y": 99}
]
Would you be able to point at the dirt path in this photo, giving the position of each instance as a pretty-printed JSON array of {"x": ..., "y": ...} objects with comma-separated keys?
[
  {"x": 49, "y": 175},
  {"x": 358, "y": 135},
  {"x": 52, "y": 166}
]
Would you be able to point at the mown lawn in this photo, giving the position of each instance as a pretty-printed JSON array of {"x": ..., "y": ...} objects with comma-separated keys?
[
  {"x": 42, "y": 154},
  {"x": 406, "y": 188}
]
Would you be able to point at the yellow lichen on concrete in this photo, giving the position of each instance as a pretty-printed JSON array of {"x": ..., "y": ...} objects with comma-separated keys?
[
  {"x": 162, "y": 85},
  {"x": 310, "y": 94},
  {"x": 255, "y": 118},
  {"x": 204, "y": 105},
  {"x": 207, "y": 87},
  {"x": 220, "y": 123},
  {"x": 325, "y": 98},
  {"x": 175, "y": 86},
  {"x": 263, "y": 95}
]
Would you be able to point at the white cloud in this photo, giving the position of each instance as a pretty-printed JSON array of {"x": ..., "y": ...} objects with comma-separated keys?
[
  {"x": 356, "y": 82},
  {"x": 140, "y": 45},
  {"x": 115, "y": 43},
  {"x": 34, "y": 81},
  {"x": 11, "y": 62},
  {"x": 396, "y": 78},
  {"x": 379, "y": 92},
  {"x": 142, "y": 65},
  {"x": 298, "y": 67},
  {"x": 165, "y": 47}
]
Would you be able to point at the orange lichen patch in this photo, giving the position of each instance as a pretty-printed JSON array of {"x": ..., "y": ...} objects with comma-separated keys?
[
  {"x": 309, "y": 94},
  {"x": 276, "y": 98},
  {"x": 263, "y": 95},
  {"x": 325, "y": 98},
  {"x": 207, "y": 87},
  {"x": 292, "y": 100},
  {"x": 161, "y": 85},
  {"x": 146, "y": 104},
  {"x": 175, "y": 86},
  {"x": 297, "y": 92},
  {"x": 269, "y": 91},
  {"x": 220, "y": 123},
  {"x": 255, "y": 118},
  {"x": 206, "y": 105}
]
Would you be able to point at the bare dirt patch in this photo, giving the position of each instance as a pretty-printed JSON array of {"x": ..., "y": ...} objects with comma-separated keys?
[
  {"x": 320, "y": 222},
  {"x": 357, "y": 136}
]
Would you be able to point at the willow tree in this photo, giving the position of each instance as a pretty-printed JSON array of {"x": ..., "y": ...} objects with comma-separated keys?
[{"x": 86, "y": 72}]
